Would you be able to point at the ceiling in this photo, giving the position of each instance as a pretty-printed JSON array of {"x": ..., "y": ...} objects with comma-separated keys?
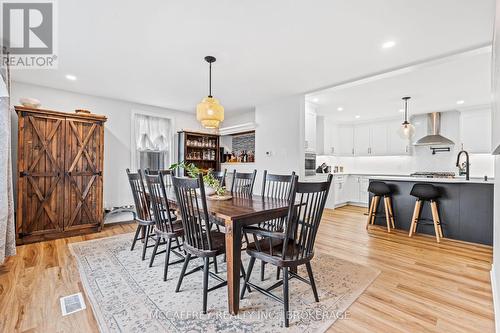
[
  {"x": 152, "y": 52},
  {"x": 436, "y": 87}
]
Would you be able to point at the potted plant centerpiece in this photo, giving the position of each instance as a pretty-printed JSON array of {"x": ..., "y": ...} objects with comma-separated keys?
[{"x": 212, "y": 185}]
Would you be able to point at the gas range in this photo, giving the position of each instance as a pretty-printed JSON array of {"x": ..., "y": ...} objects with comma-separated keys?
[{"x": 433, "y": 174}]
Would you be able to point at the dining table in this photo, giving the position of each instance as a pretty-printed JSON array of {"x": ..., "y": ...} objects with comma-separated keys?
[{"x": 235, "y": 213}]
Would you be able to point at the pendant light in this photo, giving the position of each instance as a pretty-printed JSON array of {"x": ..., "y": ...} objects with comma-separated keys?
[
  {"x": 209, "y": 112},
  {"x": 407, "y": 130}
]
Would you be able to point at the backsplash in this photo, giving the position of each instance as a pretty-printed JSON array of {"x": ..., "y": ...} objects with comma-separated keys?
[
  {"x": 244, "y": 142},
  {"x": 422, "y": 160}
]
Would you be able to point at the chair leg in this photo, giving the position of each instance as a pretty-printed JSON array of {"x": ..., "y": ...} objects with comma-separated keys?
[
  {"x": 247, "y": 276},
  {"x": 277, "y": 273},
  {"x": 387, "y": 216},
  {"x": 375, "y": 207},
  {"x": 205, "y": 283},
  {"x": 435, "y": 219},
  {"x": 183, "y": 271},
  {"x": 145, "y": 244},
  {"x": 415, "y": 217},
  {"x": 370, "y": 212},
  {"x": 155, "y": 249},
  {"x": 311, "y": 279},
  {"x": 167, "y": 258},
  {"x": 391, "y": 212},
  {"x": 216, "y": 269},
  {"x": 285, "y": 295},
  {"x": 262, "y": 270},
  {"x": 135, "y": 237}
]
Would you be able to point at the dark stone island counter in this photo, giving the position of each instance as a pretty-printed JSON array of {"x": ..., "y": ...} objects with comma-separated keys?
[{"x": 465, "y": 207}]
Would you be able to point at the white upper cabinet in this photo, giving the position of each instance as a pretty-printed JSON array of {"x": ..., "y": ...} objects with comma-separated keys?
[
  {"x": 330, "y": 137},
  {"x": 379, "y": 138},
  {"x": 475, "y": 131},
  {"x": 362, "y": 134},
  {"x": 395, "y": 144},
  {"x": 345, "y": 140},
  {"x": 310, "y": 128}
]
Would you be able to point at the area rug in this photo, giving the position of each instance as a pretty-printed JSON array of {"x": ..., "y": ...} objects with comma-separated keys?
[{"x": 128, "y": 296}]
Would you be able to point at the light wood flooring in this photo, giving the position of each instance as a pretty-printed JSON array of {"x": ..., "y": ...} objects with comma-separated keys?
[{"x": 423, "y": 287}]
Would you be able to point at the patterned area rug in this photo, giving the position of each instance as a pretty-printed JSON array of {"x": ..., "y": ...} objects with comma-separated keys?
[{"x": 128, "y": 296}]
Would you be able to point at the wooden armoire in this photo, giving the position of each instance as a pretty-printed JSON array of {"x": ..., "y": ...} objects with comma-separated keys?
[{"x": 59, "y": 179}]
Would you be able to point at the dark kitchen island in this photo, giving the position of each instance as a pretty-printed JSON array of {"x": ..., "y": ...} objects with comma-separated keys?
[{"x": 465, "y": 207}]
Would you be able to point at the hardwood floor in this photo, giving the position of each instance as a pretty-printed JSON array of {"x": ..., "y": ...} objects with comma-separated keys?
[{"x": 423, "y": 286}]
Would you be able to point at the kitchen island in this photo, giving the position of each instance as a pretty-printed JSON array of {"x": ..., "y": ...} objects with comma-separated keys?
[{"x": 465, "y": 207}]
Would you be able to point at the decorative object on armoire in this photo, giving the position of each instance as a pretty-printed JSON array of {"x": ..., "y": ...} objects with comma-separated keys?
[
  {"x": 407, "y": 130},
  {"x": 200, "y": 149},
  {"x": 7, "y": 223},
  {"x": 30, "y": 102},
  {"x": 60, "y": 164},
  {"x": 82, "y": 111},
  {"x": 209, "y": 112}
]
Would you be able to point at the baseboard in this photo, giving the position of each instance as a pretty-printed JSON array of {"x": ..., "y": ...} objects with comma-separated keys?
[{"x": 496, "y": 299}]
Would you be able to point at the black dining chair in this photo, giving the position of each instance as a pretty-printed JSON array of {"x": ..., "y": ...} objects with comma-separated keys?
[
  {"x": 142, "y": 214},
  {"x": 295, "y": 245},
  {"x": 220, "y": 176},
  {"x": 277, "y": 187},
  {"x": 242, "y": 182},
  {"x": 168, "y": 229},
  {"x": 199, "y": 240}
]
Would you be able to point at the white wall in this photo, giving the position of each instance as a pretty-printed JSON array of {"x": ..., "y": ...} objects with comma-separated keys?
[
  {"x": 117, "y": 137},
  {"x": 280, "y": 132},
  {"x": 239, "y": 118}
]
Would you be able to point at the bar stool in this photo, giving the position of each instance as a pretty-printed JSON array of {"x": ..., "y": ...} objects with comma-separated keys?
[
  {"x": 426, "y": 192},
  {"x": 380, "y": 189}
]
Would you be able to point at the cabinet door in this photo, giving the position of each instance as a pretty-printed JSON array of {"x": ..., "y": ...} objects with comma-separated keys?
[
  {"x": 395, "y": 144},
  {"x": 310, "y": 131},
  {"x": 83, "y": 186},
  {"x": 363, "y": 190},
  {"x": 378, "y": 139},
  {"x": 475, "y": 131},
  {"x": 346, "y": 140},
  {"x": 41, "y": 170},
  {"x": 331, "y": 137},
  {"x": 362, "y": 140}
]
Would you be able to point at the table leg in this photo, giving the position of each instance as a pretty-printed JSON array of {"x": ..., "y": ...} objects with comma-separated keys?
[{"x": 233, "y": 260}]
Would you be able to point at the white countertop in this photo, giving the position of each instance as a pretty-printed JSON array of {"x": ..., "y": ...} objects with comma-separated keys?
[
  {"x": 473, "y": 180},
  {"x": 458, "y": 180}
]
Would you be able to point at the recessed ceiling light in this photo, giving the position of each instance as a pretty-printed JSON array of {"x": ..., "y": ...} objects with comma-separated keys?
[
  {"x": 70, "y": 77},
  {"x": 357, "y": 116},
  {"x": 460, "y": 102},
  {"x": 315, "y": 100},
  {"x": 340, "y": 108},
  {"x": 388, "y": 44}
]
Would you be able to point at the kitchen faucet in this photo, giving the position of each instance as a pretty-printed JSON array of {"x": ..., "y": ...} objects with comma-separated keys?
[{"x": 462, "y": 167}]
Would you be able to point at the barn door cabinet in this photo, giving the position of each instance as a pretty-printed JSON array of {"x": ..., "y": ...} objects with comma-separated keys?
[{"x": 60, "y": 163}]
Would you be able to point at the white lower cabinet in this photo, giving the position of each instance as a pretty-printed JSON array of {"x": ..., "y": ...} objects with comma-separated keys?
[{"x": 350, "y": 189}]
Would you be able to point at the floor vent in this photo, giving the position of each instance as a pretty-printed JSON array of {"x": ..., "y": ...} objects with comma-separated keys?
[{"x": 72, "y": 303}]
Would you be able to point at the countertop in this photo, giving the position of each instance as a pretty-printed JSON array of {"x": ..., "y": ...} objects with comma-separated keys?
[
  {"x": 458, "y": 180},
  {"x": 400, "y": 177}
]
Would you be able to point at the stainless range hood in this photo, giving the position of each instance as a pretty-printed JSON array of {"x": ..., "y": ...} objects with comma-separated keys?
[{"x": 433, "y": 138}]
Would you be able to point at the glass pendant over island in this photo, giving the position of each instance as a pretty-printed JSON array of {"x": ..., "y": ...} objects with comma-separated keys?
[
  {"x": 407, "y": 130},
  {"x": 210, "y": 112}
]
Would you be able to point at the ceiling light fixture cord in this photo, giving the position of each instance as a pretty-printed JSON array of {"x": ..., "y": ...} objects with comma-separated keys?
[{"x": 210, "y": 80}]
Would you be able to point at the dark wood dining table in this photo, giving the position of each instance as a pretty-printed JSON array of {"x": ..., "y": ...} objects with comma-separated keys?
[{"x": 240, "y": 211}]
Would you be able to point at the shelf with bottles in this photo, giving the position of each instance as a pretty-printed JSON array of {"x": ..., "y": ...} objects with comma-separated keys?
[
  {"x": 201, "y": 142},
  {"x": 243, "y": 156}
]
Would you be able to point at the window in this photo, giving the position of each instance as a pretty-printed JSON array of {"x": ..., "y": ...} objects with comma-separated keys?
[{"x": 152, "y": 142}]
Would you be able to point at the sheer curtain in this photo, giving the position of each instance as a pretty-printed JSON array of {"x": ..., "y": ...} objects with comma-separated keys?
[
  {"x": 7, "y": 226},
  {"x": 153, "y": 136}
]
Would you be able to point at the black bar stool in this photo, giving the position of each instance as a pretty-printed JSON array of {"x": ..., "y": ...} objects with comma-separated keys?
[
  {"x": 426, "y": 192},
  {"x": 380, "y": 189}
]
